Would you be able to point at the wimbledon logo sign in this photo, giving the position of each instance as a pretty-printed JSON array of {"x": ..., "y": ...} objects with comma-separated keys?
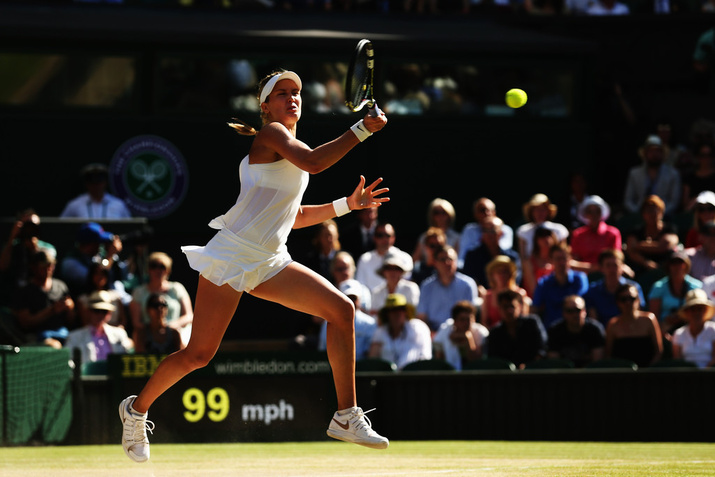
[{"x": 150, "y": 174}]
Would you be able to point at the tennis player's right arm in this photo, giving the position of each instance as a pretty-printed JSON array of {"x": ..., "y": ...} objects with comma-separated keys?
[{"x": 275, "y": 136}]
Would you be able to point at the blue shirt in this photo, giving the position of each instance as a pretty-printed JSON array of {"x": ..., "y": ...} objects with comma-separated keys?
[
  {"x": 669, "y": 304},
  {"x": 365, "y": 326},
  {"x": 437, "y": 300},
  {"x": 604, "y": 302},
  {"x": 550, "y": 294}
]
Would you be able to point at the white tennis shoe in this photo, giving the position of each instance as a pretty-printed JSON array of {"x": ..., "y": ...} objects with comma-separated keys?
[
  {"x": 134, "y": 439},
  {"x": 356, "y": 428}
]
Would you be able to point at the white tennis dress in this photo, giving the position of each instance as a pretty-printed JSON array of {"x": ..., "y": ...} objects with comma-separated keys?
[{"x": 250, "y": 245}]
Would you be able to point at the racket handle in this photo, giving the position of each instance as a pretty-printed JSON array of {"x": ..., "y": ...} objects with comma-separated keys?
[{"x": 375, "y": 111}]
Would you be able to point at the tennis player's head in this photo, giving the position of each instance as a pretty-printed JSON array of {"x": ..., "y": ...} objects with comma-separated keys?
[{"x": 277, "y": 93}]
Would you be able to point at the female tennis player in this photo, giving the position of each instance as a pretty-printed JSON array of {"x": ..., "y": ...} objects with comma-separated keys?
[{"x": 249, "y": 254}]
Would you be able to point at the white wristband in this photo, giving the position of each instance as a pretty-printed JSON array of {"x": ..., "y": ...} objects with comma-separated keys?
[
  {"x": 341, "y": 206},
  {"x": 360, "y": 131}
]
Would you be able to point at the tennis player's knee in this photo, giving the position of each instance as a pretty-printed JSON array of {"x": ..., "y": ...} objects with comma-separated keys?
[
  {"x": 198, "y": 357},
  {"x": 344, "y": 313}
]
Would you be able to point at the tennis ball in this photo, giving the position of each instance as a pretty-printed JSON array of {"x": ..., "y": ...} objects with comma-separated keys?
[{"x": 515, "y": 98}]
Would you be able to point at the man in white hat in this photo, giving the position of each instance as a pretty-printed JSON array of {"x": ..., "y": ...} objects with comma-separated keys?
[
  {"x": 97, "y": 339},
  {"x": 589, "y": 240}
]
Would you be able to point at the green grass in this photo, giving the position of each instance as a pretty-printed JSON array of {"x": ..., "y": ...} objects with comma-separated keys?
[{"x": 438, "y": 458}]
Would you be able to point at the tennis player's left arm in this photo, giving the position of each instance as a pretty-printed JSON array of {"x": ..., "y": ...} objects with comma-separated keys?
[{"x": 361, "y": 198}]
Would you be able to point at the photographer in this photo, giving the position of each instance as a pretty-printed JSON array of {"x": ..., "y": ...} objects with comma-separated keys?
[{"x": 22, "y": 244}]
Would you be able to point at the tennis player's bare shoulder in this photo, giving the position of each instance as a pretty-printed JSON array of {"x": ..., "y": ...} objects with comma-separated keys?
[{"x": 263, "y": 149}]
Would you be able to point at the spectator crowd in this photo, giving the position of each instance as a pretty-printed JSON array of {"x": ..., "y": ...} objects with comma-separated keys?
[{"x": 577, "y": 282}]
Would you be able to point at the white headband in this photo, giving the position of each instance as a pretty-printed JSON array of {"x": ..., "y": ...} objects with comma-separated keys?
[{"x": 275, "y": 79}]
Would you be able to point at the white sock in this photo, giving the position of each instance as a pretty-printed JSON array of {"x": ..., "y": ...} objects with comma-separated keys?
[
  {"x": 134, "y": 411},
  {"x": 347, "y": 411}
]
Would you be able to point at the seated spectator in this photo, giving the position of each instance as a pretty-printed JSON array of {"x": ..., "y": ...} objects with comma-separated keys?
[
  {"x": 93, "y": 244},
  {"x": 501, "y": 273},
  {"x": 400, "y": 338},
  {"x": 570, "y": 203},
  {"x": 326, "y": 243},
  {"x": 96, "y": 202},
  {"x": 358, "y": 237},
  {"x": 98, "y": 279},
  {"x": 181, "y": 313},
  {"x": 369, "y": 262},
  {"x": 476, "y": 260},
  {"x": 653, "y": 177},
  {"x": 519, "y": 338},
  {"x": 158, "y": 337},
  {"x": 575, "y": 336},
  {"x": 702, "y": 257},
  {"x": 538, "y": 212},
  {"x": 668, "y": 294},
  {"x": 441, "y": 291},
  {"x": 695, "y": 341},
  {"x": 343, "y": 273},
  {"x": 562, "y": 282},
  {"x": 601, "y": 295},
  {"x": 393, "y": 270},
  {"x": 589, "y": 240},
  {"x": 435, "y": 239},
  {"x": 16, "y": 254},
  {"x": 460, "y": 339},
  {"x": 44, "y": 308},
  {"x": 539, "y": 262},
  {"x": 365, "y": 325},
  {"x": 704, "y": 211},
  {"x": 650, "y": 245},
  {"x": 97, "y": 339},
  {"x": 440, "y": 214},
  {"x": 633, "y": 334},
  {"x": 471, "y": 236}
]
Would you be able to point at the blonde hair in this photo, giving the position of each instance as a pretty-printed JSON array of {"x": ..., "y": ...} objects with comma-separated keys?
[
  {"x": 162, "y": 258},
  {"x": 444, "y": 205},
  {"x": 244, "y": 128}
]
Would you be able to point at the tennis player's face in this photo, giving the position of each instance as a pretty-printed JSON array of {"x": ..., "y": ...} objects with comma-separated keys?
[{"x": 285, "y": 101}]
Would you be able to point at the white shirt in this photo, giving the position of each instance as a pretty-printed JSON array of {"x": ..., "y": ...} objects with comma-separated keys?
[
  {"x": 526, "y": 233},
  {"x": 369, "y": 262},
  {"x": 451, "y": 351},
  {"x": 409, "y": 289},
  {"x": 696, "y": 349},
  {"x": 83, "y": 207},
  {"x": 413, "y": 344}
]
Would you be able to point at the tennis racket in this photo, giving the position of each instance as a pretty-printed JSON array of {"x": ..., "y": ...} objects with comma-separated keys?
[{"x": 359, "y": 87}]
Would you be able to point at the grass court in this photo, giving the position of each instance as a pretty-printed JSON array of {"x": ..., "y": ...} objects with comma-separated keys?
[{"x": 406, "y": 458}]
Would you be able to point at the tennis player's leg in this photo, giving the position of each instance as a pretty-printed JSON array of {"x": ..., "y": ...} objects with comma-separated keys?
[
  {"x": 301, "y": 289},
  {"x": 215, "y": 307}
]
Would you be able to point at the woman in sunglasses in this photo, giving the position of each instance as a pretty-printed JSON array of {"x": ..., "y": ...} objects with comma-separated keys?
[
  {"x": 158, "y": 337},
  {"x": 633, "y": 334},
  {"x": 180, "y": 313}
]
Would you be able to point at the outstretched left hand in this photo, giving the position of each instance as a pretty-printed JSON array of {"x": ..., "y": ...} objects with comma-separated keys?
[{"x": 366, "y": 197}]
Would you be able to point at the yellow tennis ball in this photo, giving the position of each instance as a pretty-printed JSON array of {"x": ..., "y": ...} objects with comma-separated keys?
[{"x": 515, "y": 98}]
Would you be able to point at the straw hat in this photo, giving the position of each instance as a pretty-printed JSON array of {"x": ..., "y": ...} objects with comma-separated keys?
[
  {"x": 695, "y": 297},
  {"x": 537, "y": 200},
  {"x": 396, "y": 300},
  {"x": 100, "y": 300}
]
